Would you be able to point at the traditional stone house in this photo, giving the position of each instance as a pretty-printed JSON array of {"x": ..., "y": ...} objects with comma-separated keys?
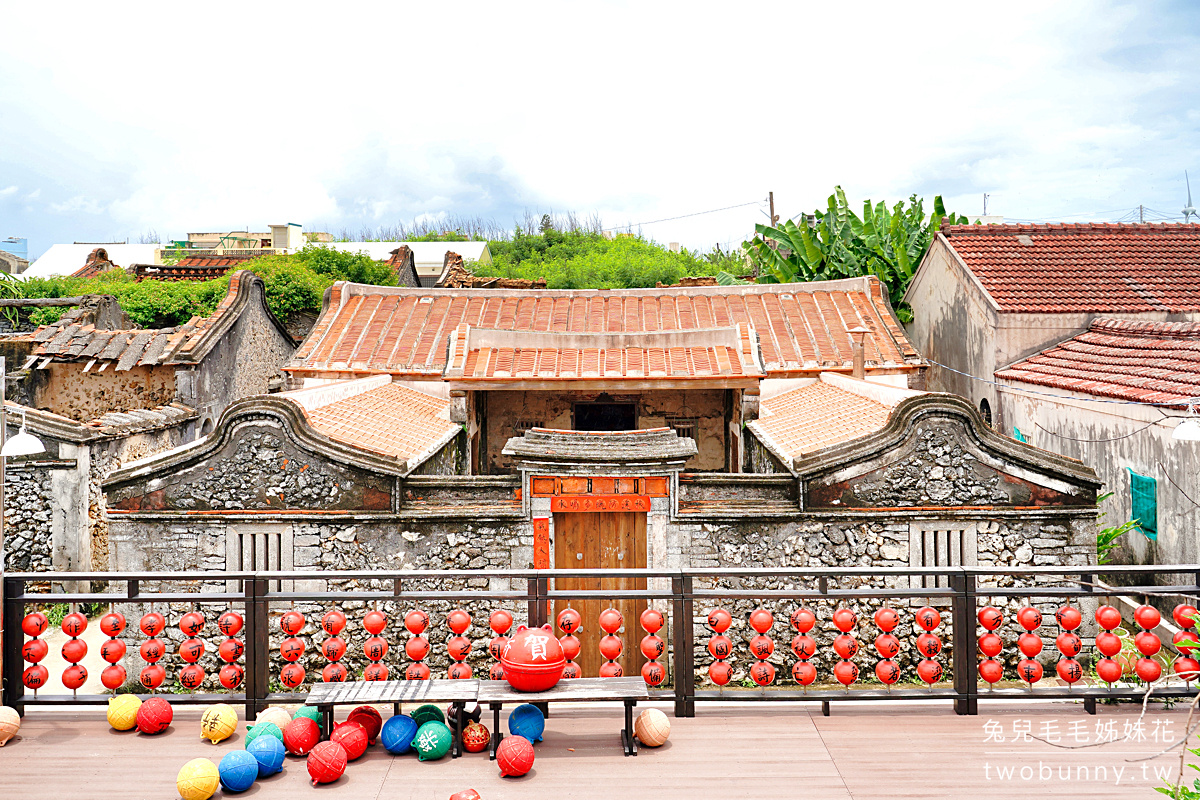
[
  {"x": 491, "y": 428},
  {"x": 99, "y": 397},
  {"x": 985, "y": 296},
  {"x": 1085, "y": 396}
]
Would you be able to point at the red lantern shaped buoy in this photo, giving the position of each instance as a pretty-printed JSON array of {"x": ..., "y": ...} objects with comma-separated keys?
[
  {"x": 333, "y": 648},
  {"x": 761, "y": 620},
  {"x": 152, "y": 624},
  {"x": 1108, "y": 617},
  {"x": 570, "y": 646},
  {"x": 844, "y": 620},
  {"x": 374, "y": 622},
  {"x": 1186, "y": 641},
  {"x": 1147, "y": 643},
  {"x": 459, "y": 671},
  {"x": 929, "y": 645},
  {"x": 569, "y": 622},
  {"x": 334, "y": 622},
  {"x": 761, "y": 647},
  {"x": 334, "y": 672},
  {"x": 292, "y": 675},
  {"x": 804, "y": 647},
  {"x": 152, "y": 650},
  {"x": 1029, "y": 670},
  {"x": 611, "y": 669},
  {"x": 653, "y": 673},
  {"x": 1148, "y": 669},
  {"x": 762, "y": 673},
  {"x": 379, "y": 672},
  {"x": 720, "y": 647},
  {"x": 1108, "y": 670},
  {"x": 152, "y": 676},
  {"x": 611, "y": 620},
  {"x": 804, "y": 673},
  {"x": 74, "y": 676},
  {"x": 803, "y": 620},
  {"x": 652, "y": 620},
  {"x": 1029, "y": 644},
  {"x": 928, "y": 618},
  {"x": 990, "y": 618},
  {"x": 231, "y": 676},
  {"x": 74, "y": 624},
  {"x": 459, "y": 647},
  {"x": 35, "y": 624},
  {"x": 652, "y": 646},
  {"x": 887, "y": 671},
  {"x": 719, "y": 620},
  {"x": 845, "y": 672},
  {"x": 533, "y": 660},
  {"x": 929, "y": 671},
  {"x": 991, "y": 670},
  {"x": 416, "y": 648},
  {"x": 887, "y": 645},
  {"x": 191, "y": 650},
  {"x": 113, "y": 677},
  {"x": 1068, "y": 617},
  {"x": 990, "y": 645},
  {"x": 34, "y": 651},
  {"x": 845, "y": 645},
  {"x": 886, "y": 619},
  {"x": 112, "y": 624},
  {"x": 191, "y": 677},
  {"x": 1029, "y": 618},
  {"x": 191, "y": 624},
  {"x": 74, "y": 650},
  {"x": 416, "y": 621},
  {"x": 458, "y": 621},
  {"x": 292, "y": 622},
  {"x": 112, "y": 650},
  {"x": 1108, "y": 643},
  {"x": 1147, "y": 617},
  {"x": 35, "y": 677},
  {"x": 611, "y": 647},
  {"x": 500, "y": 621},
  {"x": 230, "y": 623},
  {"x": 1186, "y": 668},
  {"x": 1069, "y": 644},
  {"x": 570, "y": 671},
  {"x": 1069, "y": 670},
  {"x": 1184, "y": 615},
  {"x": 291, "y": 648},
  {"x": 327, "y": 762}
]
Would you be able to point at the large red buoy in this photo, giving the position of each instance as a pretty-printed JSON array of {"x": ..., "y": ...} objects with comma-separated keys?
[
  {"x": 991, "y": 670},
  {"x": 154, "y": 715},
  {"x": 514, "y": 756},
  {"x": 719, "y": 620},
  {"x": 886, "y": 619},
  {"x": 369, "y": 718},
  {"x": 301, "y": 735},
  {"x": 533, "y": 660},
  {"x": 351, "y": 736},
  {"x": 990, "y": 618},
  {"x": 326, "y": 762},
  {"x": 1108, "y": 617},
  {"x": 611, "y": 620}
]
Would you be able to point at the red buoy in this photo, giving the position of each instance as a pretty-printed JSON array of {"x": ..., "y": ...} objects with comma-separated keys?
[
  {"x": 74, "y": 624},
  {"x": 35, "y": 624},
  {"x": 74, "y": 650},
  {"x": 292, "y": 622},
  {"x": 611, "y": 647},
  {"x": 991, "y": 670},
  {"x": 803, "y": 672},
  {"x": 292, "y": 675},
  {"x": 761, "y": 620},
  {"x": 154, "y": 716},
  {"x": 803, "y": 620},
  {"x": 845, "y": 672},
  {"x": 533, "y": 660},
  {"x": 652, "y": 620},
  {"x": 762, "y": 673},
  {"x": 570, "y": 646},
  {"x": 719, "y": 620},
  {"x": 928, "y": 618},
  {"x": 1184, "y": 615},
  {"x": 497, "y": 644},
  {"x": 334, "y": 673},
  {"x": 887, "y": 645},
  {"x": 1147, "y": 617},
  {"x": 1147, "y": 643},
  {"x": 845, "y": 645},
  {"x": 333, "y": 648},
  {"x": 152, "y": 624},
  {"x": 844, "y": 619},
  {"x": 1068, "y": 617},
  {"x": 929, "y": 670},
  {"x": 803, "y": 646},
  {"x": 231, "y": 676},
  {"x": 35, "y": 677},
  {"x": 887, "y": 671},
  {"x": 230, "y": 623},
  {"x": 1069, "y": 644},
  {"x": 886, "y": 619},
  {"x": 990, "y": 618},
  {"x": 1029, "y": 670},
  {"x": 719, "y": 646},
  {"x": 379, "y": 672},
  {"x": 570, "y": 621},
  {"x": 459, "y": 647},
  {"x": 152, "y": 676},
  {"x": 191, "y": 677},
  {"x": 761, "y": 647},
  {"x": 458, "y": 621},
  {"x": 1108, "y": 617},
  {"x": 191, "y": 650},
  {"x": 351, "y": 736},
  {"x": 653, "y": 673},
  {"x": 1108, "y": 670},
  {"x": 152, "y": 650},
  {"x": 1108, "y": 643},
  {"x": 990, "y": 645},
  {"x": 720, "y": 673},
  {"x": 327, "y": 762},
  {"x": 459, "y": 671},
  {"x": 374, "y": 622},
  {"x": 610, "y": 669},
  {"x": 929, "y": 645},
  {"x": 1186, "y": 641},
  {"x": 1187, "y": 668},
  {"x": 334, "y": 622},
  {"x": 113, "y": 677},
  {"x": 291, "y": 648},
  {"x": 376, "y": 647},
  {"x": 496, "y": 671},
  {"x": 652, "y": 646},
  {"x": 112, "y": 624},
  {"x": 191, "y": 623},
  {"x": 1029, "y": 618},
  {"x": 514, "y": 756},
  {"x": 1148, "y": 669},
  {"x": 415, "y": 622},
  {"x": 500, "y": 621},
  {"x": 35, "y": 650},
  {"x": 301, "y": 735},
  {"x": 570, "y": 671},
  {"x": 416, "y": 648},
  {"x": 74, "y": 676},
  {"x": 611, "y": 620},
  {"x": 1029, "y": 644},
  {"x": 413, "y": 672},
  {"x": 1069, "y": 670},
  {"x": 370, "y": 720}
]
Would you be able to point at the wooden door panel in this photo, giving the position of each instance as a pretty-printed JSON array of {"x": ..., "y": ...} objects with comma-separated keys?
[{"x": 606, "y": 540}]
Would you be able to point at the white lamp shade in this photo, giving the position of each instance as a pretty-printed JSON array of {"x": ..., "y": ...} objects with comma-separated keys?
[
  {"x": 1188, "y": 430},
  {"x": 23, "y": 444}
]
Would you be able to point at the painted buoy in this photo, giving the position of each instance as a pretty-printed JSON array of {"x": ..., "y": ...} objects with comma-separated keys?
[
  {"x": 475, "y": 737},
  {"x": 370, "y": 719},
  {"x": 239, "y": 770},
  {"x": 652, "y": 727},
  {"x": 275, "y": 714},
  {"x": 263, "y": 729},
  {"x": 154, "y": 716},
  {"x": 123, "y": 711},
  {"x": 1108, "y": 617},
  {"x": 351, "y": 736},
  {"x": 268, "y": 752},
  {"x": 990, "y": 618},
  {"x": 433, "y": 741},
  {"x": 514, "y": 756},
  {"x": 198, "y": 780},
  {"x": 326, "y": 762},
  {"x": 527, "y": 720},
  {"x": 886, "y": 619},
  {"x": 10, "y": 723},
  {"x": 301, "y": 735},
  {"x": 991, "y": 670},
  {"x": 397, "y": 734},
  {"x": 218, "y": 723}
]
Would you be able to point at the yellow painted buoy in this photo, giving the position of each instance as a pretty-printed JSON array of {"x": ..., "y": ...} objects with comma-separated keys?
[
  {"x": 122, "y": 711},
  {"x": 198, "y": 780},
  {"x": 218, "y": 723}
]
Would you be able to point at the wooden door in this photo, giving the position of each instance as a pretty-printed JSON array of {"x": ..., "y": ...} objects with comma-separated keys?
[{"x": 602, "y": 540}]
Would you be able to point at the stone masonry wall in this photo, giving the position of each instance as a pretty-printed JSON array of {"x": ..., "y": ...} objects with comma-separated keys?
[{"x": 27, "y": 531}]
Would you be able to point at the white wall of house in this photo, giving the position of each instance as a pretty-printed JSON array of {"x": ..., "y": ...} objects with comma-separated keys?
[{"x": 1113, "y": 439}]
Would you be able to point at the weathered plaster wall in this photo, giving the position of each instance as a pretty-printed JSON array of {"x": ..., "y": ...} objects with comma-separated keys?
[
  {"x": 553, "y": 410},
  {"x": 82, "y": 396}
]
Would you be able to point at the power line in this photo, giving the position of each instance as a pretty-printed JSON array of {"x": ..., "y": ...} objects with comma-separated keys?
[{"x": 685, "y": 216}]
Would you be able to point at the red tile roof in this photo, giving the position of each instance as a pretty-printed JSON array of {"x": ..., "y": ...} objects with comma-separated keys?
[
  {"x": 801, "y": 327},
  {"x": 97, "y": 264},
  {"x": 479, "y": 354},
  {"x": 1154, "y": 362},
  {"x": 378, "y": 415},
  {"x": 1090, "y": 267}
]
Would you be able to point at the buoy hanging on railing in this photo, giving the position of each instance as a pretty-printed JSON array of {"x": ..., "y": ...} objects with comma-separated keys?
[
  {"x": 230, "y": 623},
  {"x": 1109, "y": 644},
  {"x": 459, "y": 646},
  {"x": 34, "y": 651},
  {"x": 762, "y": 672},
  {"x": 990, "y": 644},
  {"x": 500, "y": 621},
  {"x": 570, "y": 622},
  {"x": 1186, "y": 642},
  {"x": 112, "y": 650},
  {"x": 1030, "y": 644},
  {"x": 292, "y": 649},
  {"x": 74, "y": 650},
  {"x": 152, "y": 650},
  {"x": 1147, "y": 643},
  {"x": 652, "y": 646},
  {"x": 888, "y": 646},
  {"x": 191, "y": 676},
  {"x": 334, "y": 646},
  {"x": 611, "y": 645},
  {"x": 929, "y": 644},
  {"x": 417, "y": 646},
  {"x": 845, "y": 645},
  {"x": 1069, "y": 644},
  {"x": 719, "y": 646},
  {"x": 804, "y": 646}
]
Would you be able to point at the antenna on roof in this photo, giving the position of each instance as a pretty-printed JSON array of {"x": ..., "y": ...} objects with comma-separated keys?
[{"x": 1190, "y": 211}]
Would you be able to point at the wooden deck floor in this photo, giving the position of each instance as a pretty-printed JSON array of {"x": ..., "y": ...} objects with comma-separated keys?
[{"x": 744, "y": 751}]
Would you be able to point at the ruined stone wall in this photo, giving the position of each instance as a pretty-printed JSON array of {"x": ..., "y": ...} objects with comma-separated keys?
[
  {"x": 27, "y": 529},
  {"x": 83, "y": 396}
]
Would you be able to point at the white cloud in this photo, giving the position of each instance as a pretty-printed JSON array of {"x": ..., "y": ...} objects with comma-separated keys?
[{"x": 7, "y": 190}]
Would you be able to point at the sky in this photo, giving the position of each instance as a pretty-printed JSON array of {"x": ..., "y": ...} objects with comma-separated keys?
[{"x": 117, "y": 121}]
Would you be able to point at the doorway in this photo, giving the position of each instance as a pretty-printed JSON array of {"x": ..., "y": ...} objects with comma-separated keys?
[
  {"x": 602, "y": 540},
  {"x": 605, "y": 417}
]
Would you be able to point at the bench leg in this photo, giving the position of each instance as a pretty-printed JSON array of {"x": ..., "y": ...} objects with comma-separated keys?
[
  {"x": 326, "y": 721},
  {"x": 496, "y": 734},
  {"x": 627, "y": 734},
  {"x": 459, "y": 711},
  {"x": 395, "y": 709}
]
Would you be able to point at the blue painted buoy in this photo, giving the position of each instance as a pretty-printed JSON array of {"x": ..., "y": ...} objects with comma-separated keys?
[
  {"x": 238, "y": 769},
  {"x": 527, "y": 720},
  {"x": 269, "y": 753},
  {"x": 398, "y": 733}
]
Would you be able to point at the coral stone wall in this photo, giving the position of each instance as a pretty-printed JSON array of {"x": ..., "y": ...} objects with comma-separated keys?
[{"x": 27, "y": 524}]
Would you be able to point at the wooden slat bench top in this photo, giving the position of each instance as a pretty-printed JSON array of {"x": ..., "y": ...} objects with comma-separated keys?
[
  {"x": 347, "y": 692},
  {"x": 567, "y": 691}
]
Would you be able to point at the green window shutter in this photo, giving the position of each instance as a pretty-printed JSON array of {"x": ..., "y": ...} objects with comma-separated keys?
[
  {"x": 1143, "y": 492},
  {"x": 1020, "y": 437}
]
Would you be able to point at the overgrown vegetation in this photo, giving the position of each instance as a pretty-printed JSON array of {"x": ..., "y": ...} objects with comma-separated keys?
[
  {"x": 1107, "y": 538},
  {"x": 887, "y": 243}
]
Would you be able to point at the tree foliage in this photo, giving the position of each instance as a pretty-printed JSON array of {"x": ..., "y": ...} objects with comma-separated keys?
[{"x": 887, "y": 243}]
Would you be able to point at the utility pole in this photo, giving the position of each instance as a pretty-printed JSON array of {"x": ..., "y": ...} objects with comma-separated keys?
[
  {"x": 985, "y": 197},
  {"x": 771, "y": 200},
  {"x": 1141, "y": 213}
]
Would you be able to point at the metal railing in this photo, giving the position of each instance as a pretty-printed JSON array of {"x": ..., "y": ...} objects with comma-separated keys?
[{"x": 684, "y": 597}]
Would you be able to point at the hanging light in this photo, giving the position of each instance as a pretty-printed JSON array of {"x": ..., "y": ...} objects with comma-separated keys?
[
  {"x": 23, "y": 444},
  {"x": 1189, "y": 429}
]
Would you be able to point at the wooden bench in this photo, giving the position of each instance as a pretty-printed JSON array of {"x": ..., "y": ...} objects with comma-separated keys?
[
  {"x": 458, "y": 693},
  {"x": 576, "y": 690}
]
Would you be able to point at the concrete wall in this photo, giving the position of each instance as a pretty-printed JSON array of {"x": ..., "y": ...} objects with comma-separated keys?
[
  {"x": 553, "y": 410},
  {"x": 1112, "y": 439}
]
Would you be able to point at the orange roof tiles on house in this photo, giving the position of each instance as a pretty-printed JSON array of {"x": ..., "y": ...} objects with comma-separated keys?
[
  {"x": 801, "y": 328},
  {"x": 1149, "y": 362},
  {"x": 1090, "y": 267},
  {"x": 97, "y": 264},
  {"x": 827, "y": 411},
  {"x": 378, "y": 415},
  {"x": 191, "y": 268}
]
